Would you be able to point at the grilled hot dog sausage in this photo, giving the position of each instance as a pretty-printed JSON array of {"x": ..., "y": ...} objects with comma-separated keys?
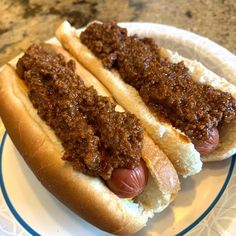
[
  {"x": 127, "y": 183},
  {"x": 207, "y": 146}
]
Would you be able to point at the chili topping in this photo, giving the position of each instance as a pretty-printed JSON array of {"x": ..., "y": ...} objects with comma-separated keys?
[
  {"x": 96, "y": 138},
  {"x": 167, "y": 88}
]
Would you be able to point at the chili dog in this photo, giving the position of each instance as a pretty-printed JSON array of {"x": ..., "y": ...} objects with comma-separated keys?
[
  {"x": 48, "y": 110},
  {"x": 175, "y": 97}
]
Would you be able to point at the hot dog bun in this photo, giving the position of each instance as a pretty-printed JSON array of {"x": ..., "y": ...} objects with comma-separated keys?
[
  {"x": 87, "y": 196},
  {"x": 227, "y": 145},
  {"x": 175, "y": 144}
]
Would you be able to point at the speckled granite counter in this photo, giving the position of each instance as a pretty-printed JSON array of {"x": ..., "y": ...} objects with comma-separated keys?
[{"x": 25, "y": 21}]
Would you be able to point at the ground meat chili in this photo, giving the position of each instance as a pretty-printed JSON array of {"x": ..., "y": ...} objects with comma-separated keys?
[
  {"x": 167, "y": 88},
  {"x": 96, "y": 138}
]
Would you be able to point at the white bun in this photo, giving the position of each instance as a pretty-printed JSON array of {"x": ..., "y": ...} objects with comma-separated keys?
[
  {"x": 173, "y": 142},
  {"x": 87, "y": 196}
]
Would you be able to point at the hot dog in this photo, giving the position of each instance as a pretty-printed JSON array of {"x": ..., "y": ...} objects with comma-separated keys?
[
  {"x": 210, "y": 144},
  {"x": 172, "y": 110},
  {"x": 37, "y": 133},
  {"x": 129, "y": 183}
]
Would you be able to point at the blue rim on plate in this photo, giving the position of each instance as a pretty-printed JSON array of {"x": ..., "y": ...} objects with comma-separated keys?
[
  {"x": 33, "y": 232},
  {"x": 5, "y": 195}
]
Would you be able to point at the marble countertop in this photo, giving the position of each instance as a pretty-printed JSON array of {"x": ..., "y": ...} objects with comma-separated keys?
[{"x": 23, "y": 22}]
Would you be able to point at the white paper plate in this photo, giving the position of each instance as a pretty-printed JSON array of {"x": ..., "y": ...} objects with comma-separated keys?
[{"x": 205, "y": 206}]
